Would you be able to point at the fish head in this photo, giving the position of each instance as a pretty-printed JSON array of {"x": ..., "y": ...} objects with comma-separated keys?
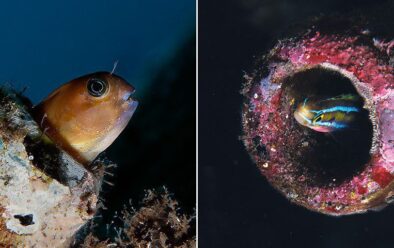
[
  {"x": 310, "y": 118},
  {"x": 304, "y": 115},
  {"x": 88, "y": 113}
]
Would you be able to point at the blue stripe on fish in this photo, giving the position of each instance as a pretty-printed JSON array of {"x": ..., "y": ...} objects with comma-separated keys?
[
  {"x": 331, "y": 124},
  {"x": 329, "y": 115},
  {"x": 345, "y": 109}
]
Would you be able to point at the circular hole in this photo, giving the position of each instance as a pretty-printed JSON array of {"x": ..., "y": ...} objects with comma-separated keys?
[
  {"x": 329, "y": 158},
  {"x": 25, "y": 219}
]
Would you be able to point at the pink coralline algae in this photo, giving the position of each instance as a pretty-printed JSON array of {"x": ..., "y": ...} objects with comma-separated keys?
[{"x": 338, "y": 173}]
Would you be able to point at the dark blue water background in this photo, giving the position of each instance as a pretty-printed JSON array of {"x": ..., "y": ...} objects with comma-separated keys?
[{"x": 46, "y": 43}]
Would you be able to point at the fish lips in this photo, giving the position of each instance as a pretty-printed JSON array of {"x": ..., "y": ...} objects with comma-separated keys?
[
  {"x": 129, "y": 104},
  {"x": 302, "y": 119},
  {"x": 133, "y": 104}
]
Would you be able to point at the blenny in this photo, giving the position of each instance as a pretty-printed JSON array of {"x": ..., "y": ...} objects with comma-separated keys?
[
  {"x": 328, "y": 115},
  {"x": 84, "y": 116}
]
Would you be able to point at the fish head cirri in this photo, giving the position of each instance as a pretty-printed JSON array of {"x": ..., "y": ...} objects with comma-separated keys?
[{"x": 85, "y": 115}]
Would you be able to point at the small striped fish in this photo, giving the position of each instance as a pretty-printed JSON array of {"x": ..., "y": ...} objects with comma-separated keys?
[{"x": 332, "y": 114}]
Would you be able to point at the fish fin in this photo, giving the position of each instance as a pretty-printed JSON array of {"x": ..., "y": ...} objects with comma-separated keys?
[
  {"x": 378, "y": 207},
  {"x": 348, "y": 97},
  {"x": 306, "y": 99}
]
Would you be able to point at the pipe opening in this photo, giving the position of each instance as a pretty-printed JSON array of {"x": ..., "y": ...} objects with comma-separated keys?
[{"x": 326, "y": 158}]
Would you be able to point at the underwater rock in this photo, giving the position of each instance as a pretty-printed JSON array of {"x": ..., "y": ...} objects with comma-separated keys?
[
  {"x": 336, "y": 173},
  {"x": 45, "y": 196}
]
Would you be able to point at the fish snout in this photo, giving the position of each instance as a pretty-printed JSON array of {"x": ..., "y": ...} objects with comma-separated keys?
[
  {"x": 126, "y": 99},
  {"x": 300, "y": 118}
]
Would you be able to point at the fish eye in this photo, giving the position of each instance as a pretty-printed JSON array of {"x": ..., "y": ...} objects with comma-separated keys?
[
  {"x": 318, "y": 119},
  {"x": 97, "y": 87}
]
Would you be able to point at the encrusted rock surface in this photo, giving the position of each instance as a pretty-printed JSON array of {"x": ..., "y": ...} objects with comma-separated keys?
[
  {"x": 291, "y": 156},
  {"x": 42, "y": 202}
]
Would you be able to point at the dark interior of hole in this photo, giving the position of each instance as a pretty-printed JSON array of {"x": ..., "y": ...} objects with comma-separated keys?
[
  {"x": 334, "y": 157},
  {"x": 25, "y": 220}
]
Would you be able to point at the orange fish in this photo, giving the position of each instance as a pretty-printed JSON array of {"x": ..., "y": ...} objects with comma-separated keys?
[{"x": 84, "y": 116}]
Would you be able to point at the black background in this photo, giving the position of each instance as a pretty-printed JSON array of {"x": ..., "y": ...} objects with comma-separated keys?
[
  {"x": 237, "y": 207},
  {"x": 157, "y": 148}
]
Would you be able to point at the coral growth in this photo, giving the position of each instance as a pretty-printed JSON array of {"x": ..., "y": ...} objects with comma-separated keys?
[{"x": 157, "y": 223}]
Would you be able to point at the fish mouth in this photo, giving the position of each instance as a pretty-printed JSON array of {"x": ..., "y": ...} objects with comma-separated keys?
[
  {"x": 302, "y": 119},
  {"x": 128, "y": 102},
  {"x": 132, "y": 104},
  {"x": 128, "y": 96}
]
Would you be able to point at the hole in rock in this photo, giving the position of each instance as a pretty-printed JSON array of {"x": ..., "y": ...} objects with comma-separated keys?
[{"x": 25, "y": 220}]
